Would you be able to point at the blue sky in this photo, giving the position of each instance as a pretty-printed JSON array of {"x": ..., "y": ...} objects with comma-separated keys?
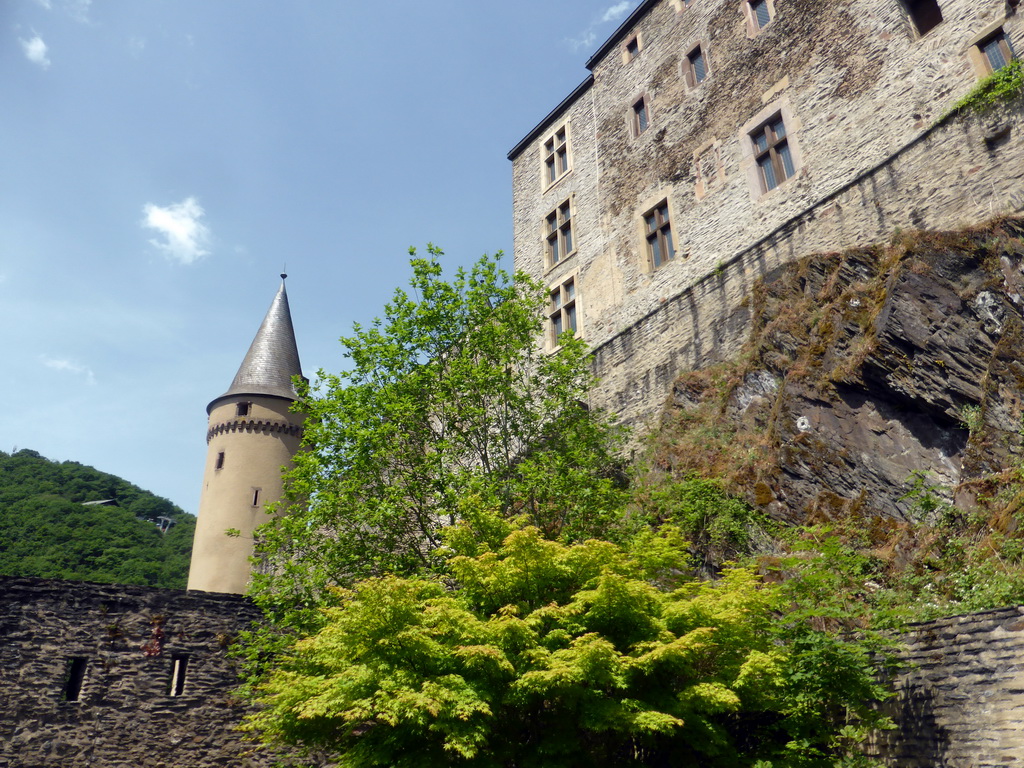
[{"x": 161, "y": 161}]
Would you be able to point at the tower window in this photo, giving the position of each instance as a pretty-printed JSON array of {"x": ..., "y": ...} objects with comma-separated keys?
[
  {"x": 179, "y": 668},
  {"x": 631, "y": 49},
  {"x": 925, "y": 14},
  {"x": 256, "y": 497},
  {"x": 74, "y": 677},
  {"x": 242, "y": 409},
  {"x": 220, "y": 461}
]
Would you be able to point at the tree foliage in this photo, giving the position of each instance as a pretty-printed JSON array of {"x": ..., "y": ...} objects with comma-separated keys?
[
  {"x": 448, "y": 403},
  {"x": 557, "y": 655},
  {"x": 47, "y": 532}
]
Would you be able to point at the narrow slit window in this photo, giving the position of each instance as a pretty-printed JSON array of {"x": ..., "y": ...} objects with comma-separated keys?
[
  {"x": 179, "y": 671},
  {"x": 760, "y": 14},
  {"x": 220, "y": 461},
  {"x": 74, "y": 678},
  {"x": 641, "y": 117},
  {"x": 256, "y": 497},
  {"x": 658, "y": 229},
  {"x": 925, "y": 14},
  {"x": 696, "y": 67}
]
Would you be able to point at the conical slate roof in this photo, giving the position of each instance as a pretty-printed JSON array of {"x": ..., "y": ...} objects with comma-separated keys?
[{"x": 273, "y": 356}]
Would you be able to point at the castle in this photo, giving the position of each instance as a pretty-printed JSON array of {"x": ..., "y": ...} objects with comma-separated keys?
[
  {"x": 716, "y": 139},
  {"x": 713, "y": 141}
]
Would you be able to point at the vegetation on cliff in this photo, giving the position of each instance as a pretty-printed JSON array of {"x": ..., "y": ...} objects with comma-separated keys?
[
  {"x": 469, "y": 578},
  {"x": 873, "y": 426},
  {"x": 47, "y": 531}
]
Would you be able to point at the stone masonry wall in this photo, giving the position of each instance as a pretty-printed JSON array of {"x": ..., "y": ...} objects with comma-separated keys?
[
  {"x": 856, "y": 85},
  {"x": 125, "y": 715},
  {"x": 960, "y": 173},
  {"x": 960, "y": 701}
]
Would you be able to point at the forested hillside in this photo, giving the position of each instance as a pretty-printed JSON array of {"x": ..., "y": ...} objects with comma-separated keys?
[{"x": 46, "y": 530}]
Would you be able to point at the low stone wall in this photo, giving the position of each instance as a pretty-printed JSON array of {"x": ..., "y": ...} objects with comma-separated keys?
[
  {"x": 960, "y": 701},
  {"x": 128, "y": 641},
  {"x": 961, "y": 172}
]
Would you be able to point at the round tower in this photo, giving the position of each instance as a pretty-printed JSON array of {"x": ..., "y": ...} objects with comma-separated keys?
[{"x": 251, "y": 436}]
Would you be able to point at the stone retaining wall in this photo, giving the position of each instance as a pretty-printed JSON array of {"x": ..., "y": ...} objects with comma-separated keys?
[
  {"x": 960, "y": 703},
  {"x": 125, "y": 715}
]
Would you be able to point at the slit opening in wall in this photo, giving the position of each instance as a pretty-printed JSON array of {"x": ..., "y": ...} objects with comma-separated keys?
[
  {"x": 255, "y": 497},
  {"x": 74, "y": 678},
  {"x": 179, "y": 670}
]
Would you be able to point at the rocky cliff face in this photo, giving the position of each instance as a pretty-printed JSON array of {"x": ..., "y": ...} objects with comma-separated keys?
[{"x": 868, "y": 374}]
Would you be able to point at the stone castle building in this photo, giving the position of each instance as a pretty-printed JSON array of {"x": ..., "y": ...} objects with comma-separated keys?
[
  {"x": 712, "y": 141},
  {"x": 715, "y": 139}
]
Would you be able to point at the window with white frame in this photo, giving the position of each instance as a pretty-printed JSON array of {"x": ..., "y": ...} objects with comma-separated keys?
[
  {"x": 558, "y": 234},
  {"x": 556, "y": 155},
  {"x": 562, "y": 310}
]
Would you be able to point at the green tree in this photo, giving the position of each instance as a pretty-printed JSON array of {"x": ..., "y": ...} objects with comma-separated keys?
[
  {"x": 449, "y": 405},
  {"x": 562, "y": 656}
]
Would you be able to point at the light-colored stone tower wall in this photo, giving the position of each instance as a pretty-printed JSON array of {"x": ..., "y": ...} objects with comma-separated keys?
[
  {"x": 252, "y": 436},
  {"x": 855, "y": 83}
]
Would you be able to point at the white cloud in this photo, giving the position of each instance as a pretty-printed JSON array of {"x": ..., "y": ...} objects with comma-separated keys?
[
  {"x": 136, "y": 45},
  {"x": 617, "y": 11},
  {"x": 45, "y": 3},
  {"x": 185, "y": 236},
  {"x": 79, "y": 9},
  {"x": 35, "y": 51},
  {"x": 63, "y": 364}
]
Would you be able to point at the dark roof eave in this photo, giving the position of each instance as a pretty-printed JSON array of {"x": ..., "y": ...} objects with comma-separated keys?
[{"x": 551, "y": 116}]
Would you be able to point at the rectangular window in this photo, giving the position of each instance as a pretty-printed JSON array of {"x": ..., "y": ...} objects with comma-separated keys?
[
  {"x": 242, "y": 409},
  {"x": 556, "y": 155},
  {"x": 696, "y": 67},
  {"x": 220, "y": 461},
  {"x": 997, "y": 51},
  {"x": 771, "y": 148},
  {"x": 562, "y": 310},
  {"x": 631, "y": 49},
  {"x": 760, "y": 13},
  {"x": 179, "y": 668},
  {"x": 658, "y": 230},
  {"x": 559, "y": 234},
  {"x": 641, "y": 118},
  {"x": 256, "y": 497},
  {"x": 925, "y": 14},
  {"x": 74, "y": 678}
]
